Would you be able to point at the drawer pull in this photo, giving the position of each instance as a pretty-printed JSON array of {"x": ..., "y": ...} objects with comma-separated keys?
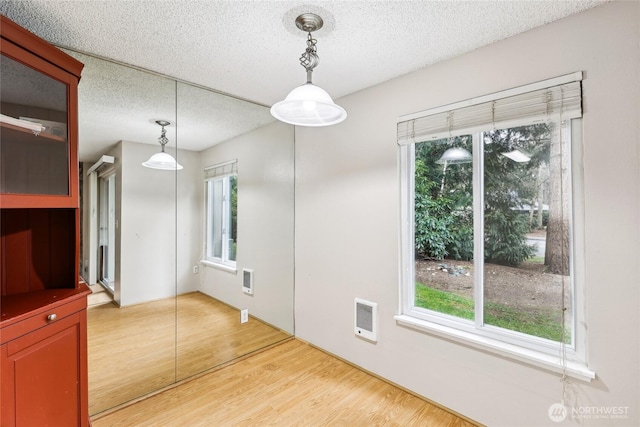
[{"x": 52, "y": 317}]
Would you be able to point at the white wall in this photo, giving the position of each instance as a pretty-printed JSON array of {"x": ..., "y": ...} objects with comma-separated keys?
[
  {"x": 149, "y": 260},
  {"x": 346, "y": 233},
  {"x": 265, "y": 224},
  {"x": 189, "y": 220}
]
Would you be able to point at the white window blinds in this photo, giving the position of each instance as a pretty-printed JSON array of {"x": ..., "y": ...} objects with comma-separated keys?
[
  {"x": 223, "y": 169},
  {"x": 559, "y": 98}
]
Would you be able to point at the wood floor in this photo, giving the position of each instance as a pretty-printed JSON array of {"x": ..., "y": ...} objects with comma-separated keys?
[
  {"x": 291, "y": 384},
  {"x": 209, "y": 333},
  {"x": 139, "y": 349}
]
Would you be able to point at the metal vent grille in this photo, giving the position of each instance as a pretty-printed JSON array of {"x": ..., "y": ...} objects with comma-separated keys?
[
  {"x": 364, "y": 317},
  {"x": 247, "y": 281},
  {"x": 366, "y": 313}
]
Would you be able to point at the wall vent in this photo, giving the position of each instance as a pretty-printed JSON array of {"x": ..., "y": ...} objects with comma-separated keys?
[
  {"x": 247, "y": 281},
  {"x": 366, "y": 319}
]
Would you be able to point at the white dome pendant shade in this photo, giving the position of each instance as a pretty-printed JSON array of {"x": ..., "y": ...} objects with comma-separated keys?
[
  {"x": 309, "y": 105},
  {"x": 163, "y": 161},
  {"x": 455, "y": 155}
]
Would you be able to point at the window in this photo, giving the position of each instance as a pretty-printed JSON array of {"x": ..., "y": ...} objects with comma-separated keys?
[
  {"x": 488, "y": 241},
  {"x": 221, "y": 214}
]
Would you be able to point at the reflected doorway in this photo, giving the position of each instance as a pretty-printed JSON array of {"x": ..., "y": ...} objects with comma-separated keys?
[{"x": 107, "y": 228}]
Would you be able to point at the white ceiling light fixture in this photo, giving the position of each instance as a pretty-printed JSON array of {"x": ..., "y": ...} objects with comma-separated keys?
[
  {"x": 162, "y": 160},
  {"x": 517, "y": 156},
  {"x": 309, "y": 105},
  {"x": 454, "y": 156}
]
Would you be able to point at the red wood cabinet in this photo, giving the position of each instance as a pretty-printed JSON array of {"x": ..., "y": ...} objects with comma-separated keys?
[
  {"x": 43, "y": 360},
  {"x": 43, "y": 326}
]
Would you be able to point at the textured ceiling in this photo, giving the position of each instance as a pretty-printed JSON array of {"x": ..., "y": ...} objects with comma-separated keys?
[{"x": 251, "y": 48}]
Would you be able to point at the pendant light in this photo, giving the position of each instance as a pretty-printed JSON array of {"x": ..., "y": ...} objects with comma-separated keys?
[
  {"x": 517, "y": 156},
  {"x": 454, "y": 156},
  {"x": 162, "y": 160},
  {"x": 309, "y": 105}
]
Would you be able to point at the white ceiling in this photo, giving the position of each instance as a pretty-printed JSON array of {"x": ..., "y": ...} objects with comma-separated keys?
[{"x": 250, "y": 49}]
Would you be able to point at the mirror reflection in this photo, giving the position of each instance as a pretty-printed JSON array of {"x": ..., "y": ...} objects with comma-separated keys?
[
  {"x": 225, "y": 194},
  {"x": 164, "y": 308}
]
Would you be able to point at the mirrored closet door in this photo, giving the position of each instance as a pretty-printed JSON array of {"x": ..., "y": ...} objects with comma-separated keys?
[
  {"x": 168, "y": 309},
  {"x": 129, "y": 231}
]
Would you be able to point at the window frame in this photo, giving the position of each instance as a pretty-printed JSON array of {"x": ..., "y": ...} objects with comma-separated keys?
[
  {"x": 223, "y": 261},
  {"x": 554, "y": 356}
]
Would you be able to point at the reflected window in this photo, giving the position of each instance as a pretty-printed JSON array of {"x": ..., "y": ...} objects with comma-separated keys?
[{"x": 221, "y": 186}]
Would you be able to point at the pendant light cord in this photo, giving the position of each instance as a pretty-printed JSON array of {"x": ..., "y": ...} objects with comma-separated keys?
[{"x": 563, "y": 345}]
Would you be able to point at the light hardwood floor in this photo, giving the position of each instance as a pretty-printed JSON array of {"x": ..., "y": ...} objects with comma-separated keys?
[
  {"x": 210, "y": 333},
  {"x": 133, "y": 351},
  {"x": 291, "y": 384}
]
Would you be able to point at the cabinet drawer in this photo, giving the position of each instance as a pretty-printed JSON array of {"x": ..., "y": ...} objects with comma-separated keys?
[{"x": 42, "y": 318}]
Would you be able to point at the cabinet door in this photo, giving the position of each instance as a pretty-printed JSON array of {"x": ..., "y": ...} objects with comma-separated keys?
[
  {"x": 38, "y": 127},
  {"x": 42, "y": 376}
]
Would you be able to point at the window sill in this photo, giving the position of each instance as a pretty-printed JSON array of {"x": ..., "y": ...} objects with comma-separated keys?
[
  {"x": 218, "y": 266},
  {"x": 548, "y": 362}
]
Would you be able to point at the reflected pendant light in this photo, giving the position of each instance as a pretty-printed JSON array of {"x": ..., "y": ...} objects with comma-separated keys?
[
  {"x": 517, "y": 156},
  {"x": 454, "y": 156},
  {"x": 162, "y": 160},
  {"x": 309, "y": 105}
]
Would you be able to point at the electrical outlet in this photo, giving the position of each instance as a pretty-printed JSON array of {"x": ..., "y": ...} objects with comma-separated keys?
[
  {"x": 196, "y": 269},
  {"x": 244, "y": 315}
]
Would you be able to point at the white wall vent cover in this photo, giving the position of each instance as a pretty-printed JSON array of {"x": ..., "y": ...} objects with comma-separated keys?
[
  {"x": 247, "y": 281},
  {"x": 366, "y": 319}
]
